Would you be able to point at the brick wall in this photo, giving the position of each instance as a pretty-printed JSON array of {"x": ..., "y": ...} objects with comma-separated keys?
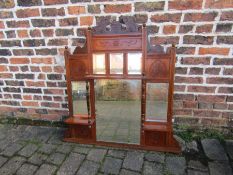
[{"x": 33, "y": 34}]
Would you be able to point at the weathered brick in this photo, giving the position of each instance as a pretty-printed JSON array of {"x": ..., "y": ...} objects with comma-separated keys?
[
  {"x": 204, "y": 89},
  {"x": 190, "y": 104},
  {"x": 23, "y": 52},
  {"x": 225, "y": 39},
  {"x": 141, "y": 18},
  {"x": 212, "y": 71},
  {"x": 202, "y": 105},
  {"x": 6, "y": 14},
  {"x": 64, "y": 32},
  {"x": 35, "y": 69},
  {"x": 25, "y": 13},
  {"x": 214, "y": 51},
  {"x": 228, "y": 71},
  {"x": 29, "y": 3},
  {"x": 227, "y": 16},
  {"x": 3, "y": 68},
  {"x": 218, "y": 4},
  {"x": 54, "y": 2},
  {"x": 12, "y": 89},
  {"x": 118, "y": 8},
  {"x": 32, "y": 90},
  {"x": 46, "y": 51},
  {"x": 206, "y": 113},
  {"x": 57, "y": 42},
  {"x": 35, "y": 83},
  {"x": 198, "y": 39},
  {"x": 46, "y": 60},
  {"x": 6, "y": 4},
  {"x": 185, "y": 50},
  {"x": 196, "y": 71},
  {"x": 230, "y": 98},
  {"x": 10, "y": 34},
  {"x": 187, "y": 112},
  {"x": 76, "y": 10},
  {"x": 181, "y": 70},
  {"x": 68, "y": 21},
  {"x": 223, "y": 61},
  {"x": 30, "y": 103},
  {"x": 53, "y": 11},
  {"x": 14, "y": 68},
  {"x": 195, "y": 17},
  {"x": 188, "y": 80},
  {"x": 94, "y": 8},
  {"x": 185, "y": 28},
  {"x": 5, "y": 52},
  {"x": 86, "y": 20},
  {"x": 34, "y": 42},
  {"x": 35, "y": 33},
  {"x": 206, "y": 28},
  {"x": 152, "y": 29},
  {"x": 18, "y": 24},
  {"x": 167, "y": 17},
  {"x": 22, "y": 33},
  {"x": 3, "y": 60},
  {"x": 19, "y": 61},
  {"x": 185, "y": 4},
  {"x": 24, "y": 68},
  {"x": 54, "y": 76},
  {"x": 2, "y": 35},
  {"x": 48, "y": 32},
  {"x": 225, "y": 90},
  {"x": 169, "y": 29},
  {"x": 75, "y": 1},
  {"x": 149, "y": 6},
  {"x": 164, "y": 40},
  {"x": 2, "y": 26},
  {"x": 43, "y": 22},
  {"x": 24, "y": 76},
  {"x": 219, "y": 80},
  {"x": 220, "y": 106},
  {"x": 10, "y": 43},
  {"x": 54, "y": 91},
  {"x": 223, "y": 27}
]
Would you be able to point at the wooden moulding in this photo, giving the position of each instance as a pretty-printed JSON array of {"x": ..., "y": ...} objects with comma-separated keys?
[{"x": 157, "y": 67}]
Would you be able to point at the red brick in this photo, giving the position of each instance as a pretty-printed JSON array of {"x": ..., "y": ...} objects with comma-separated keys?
[
  {"x": 225, "y": 90},
  {"x": 35, "y": 33},
  {"x": 196, "y": 71},
  {"x": 2, "y": 35},
  {"x": 59, "y": 69},
  {"x": 178, "y": 105},
  {"x": 22, "y": 33},
  {"x": 185, "y": 4},
  {"x": 181, "y": 70},
  {"x": 2, "y": 26},
  {"x": 54, "y": 91},
  {"x": 30, "y": 103},
  {"x": 167, "y": 17},
  {"x": 207, "y": 28},
  {"x": 228, "y": 71},
  {"x": 54, "y": 2},
  {"x": 212, "y": 71},
  {"x": 3, "y": 68},
  {"x": 212, "y": 122},
  {"x": 86, "y": 20},
  {"x": 18, "y": 24},
  {"x": 68, "y": 21},
  {"x": 58, "y": 42},
  {"x": 182, "y": 112},
  {"x": 206, "y": 113},
  {"x": 47, "y": 60},
  {"x": 211, "y": 98},
  {"x": 202, "y": 105},
  {"x": 169, "y": 29},
  {"x": 218, "y": 4},
  {"x": 227, "y": 16},
  {"x": 14, "y": 68},
  {"x": 164, "y": 40},
  {"x": 188, "y": 80},
  {"x": 53, "y": 11},
  {"x": 195, "y": 17},
  {"x": 219, "y": 80},
  {"x": 179, "y": 88},
  {"x": 189, "y": 104},
  {"x": 220, "y": 106},
  {"x": 186, "y": 50},
  {"x": 19, "y": 61},
  {"x": 27, "y": 97},
  {"x": 223, "y": 61},
  {"x": 76, "y": 10},
  {"x": 48, "y": 32},
  {"x": 25, "y": 13},
  {"x": 214, "y": 51},
  {"x": 35, "y": 83},
  {"x": 119, "y": 8},
  {"x": 195, "y": 61},
  {"x": 187, "y": 97},
  {"x": 185, "y": 28},
  {"x": 46, "y": 69},
  {"x": 50, "y": 104},
  {"x": 149, "y": 6},
  {"x": 204, "y": 89}
]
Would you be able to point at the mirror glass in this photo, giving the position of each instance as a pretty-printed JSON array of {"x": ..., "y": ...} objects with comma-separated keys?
[
  {"x": 134, "y": 63},
  {"x": 116, "y": 63},
  {"x": 118, "y": 110},
  {"x": 99, "y": 63},
  {"x": 81, "y": 97},
  {"x": 156, "y": 101}
]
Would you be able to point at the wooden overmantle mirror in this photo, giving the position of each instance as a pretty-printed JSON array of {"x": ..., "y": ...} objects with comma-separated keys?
[{"x": 120, "y": 90}]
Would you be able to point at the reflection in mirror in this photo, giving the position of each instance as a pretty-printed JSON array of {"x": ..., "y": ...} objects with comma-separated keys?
[
  {"x": 118, "y": 110},
  {"x": 156, "y": 101},
  {"x": 81, "y": 97},
  {"x": 116, "y": 63},
  {"x": 134, "y": 63},
  {"x": 98, "y": 63}
]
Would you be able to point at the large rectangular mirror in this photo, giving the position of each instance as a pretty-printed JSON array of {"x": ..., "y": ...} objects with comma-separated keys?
[
  {"x": 134, "y": 63},
  {"x": 116, "y": 63},
  {"x": 81, "y": 97},
  {"x": 99, "y": 63},
  {"x": 156, "y": 101},
  {"x": 118, "y": 110}
]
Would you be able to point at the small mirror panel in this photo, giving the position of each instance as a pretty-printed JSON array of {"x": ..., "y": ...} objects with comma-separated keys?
[
  {"x": 81, "y": 97},
  {"x": 116, "y": 63},
  {"x": 156, "y": 101},
  {"x": 99, "y": 63},
  {"x": 134, "y": 63}
]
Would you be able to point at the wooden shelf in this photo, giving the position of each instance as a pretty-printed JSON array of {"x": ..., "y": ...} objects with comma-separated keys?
[
  {"x": 156, "y": 127},
  {"x": 79, "y": 120}
]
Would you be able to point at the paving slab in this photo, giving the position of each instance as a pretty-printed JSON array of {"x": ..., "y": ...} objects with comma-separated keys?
[
  {"x": 11, "y": 150},
  {"x": 56, "y": 158},
  {"x": 155, "y": 157},
  {"x": 71, "y": 164},
  {"x": 117, "y": 153},
  {"x": 176, "y": 165},
  {"x": 128, "y": 172},
  {"x": 111, "y": 165},
  {"x": 46, "y": 169},
  {"x": 220, "y": 168},
  {"x": 37, "y": 158},
  {"x": 2, "y": 160},
  {"x": 195, "y": 172},
  {"x": 214, "y": 150},
  {"x": 28, "y": 150},
  {"x": 229, "y": 148},
  {"x": 151, "y": 168},
  {"x": 82, "y": 150},
  {"x": 27, "y": 169},
  {"x": 96, "y": 155},
  {"x": 65, "y": 149},
  {"x": 197, "y": 165},
  {"x": 133, "y": 161},
  {"x": 88, "y": 168},
  {"x": 12, "y": 165},
  {"x": 47, "y": 148}
]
